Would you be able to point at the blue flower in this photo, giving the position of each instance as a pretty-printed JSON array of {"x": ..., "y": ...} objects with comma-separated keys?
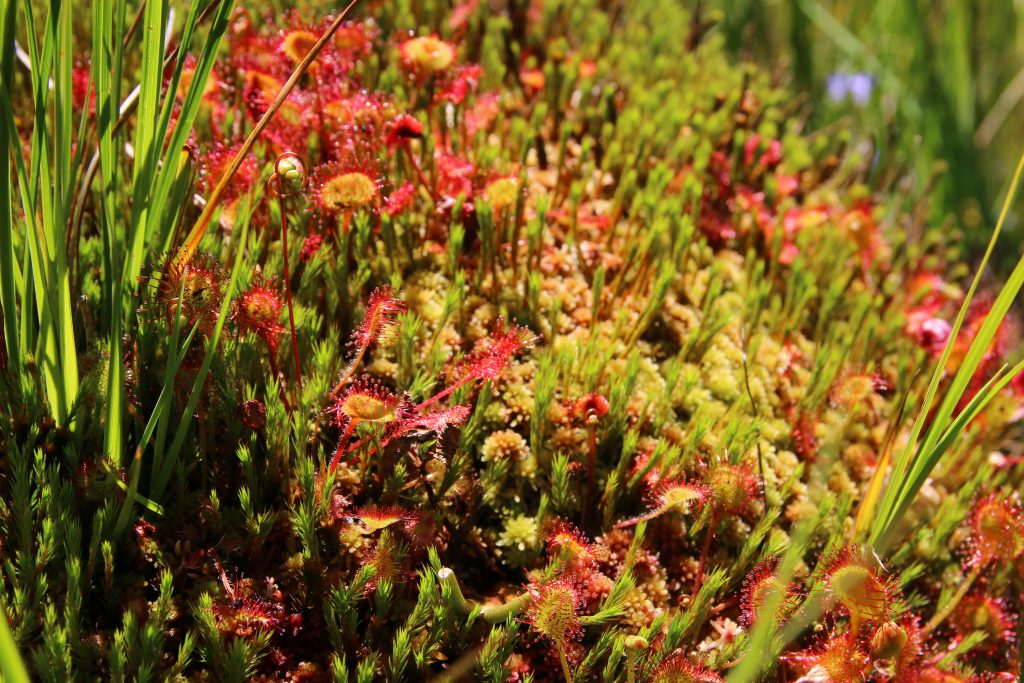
[{"x": 857, "y": 86}]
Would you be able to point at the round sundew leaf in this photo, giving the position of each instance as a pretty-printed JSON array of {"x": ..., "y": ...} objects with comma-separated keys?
[
  {"x": 999, "y": 530},
  {"x": 856, "y": 587},
  {"x": 352, "y": 190},
  {"x": 366, "y": 407},
  {"x": 297, "y": 44},
  {"x": 681, "y": 496},
  {"x": 428, "y": 54}
]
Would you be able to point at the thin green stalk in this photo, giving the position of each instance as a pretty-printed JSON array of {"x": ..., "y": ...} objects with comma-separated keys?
[
  {"x": 943, "y": 613},
  {"x": 492, "y": 614},
  {"x": 282, "y": 203},
  {"x": 108, "y": 56},
  {"x": 161, "y": 410}
]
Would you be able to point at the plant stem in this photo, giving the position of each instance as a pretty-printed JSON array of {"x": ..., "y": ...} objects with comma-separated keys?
[
  {"x": 591, "y": 465},
  {"x": 407, "y": 148},
  {"x": 565, "y": 664},
  {"x": 446, "y": 392},
  {"x": 347, "y": 374},
  {"x": 283, "y": 201},
  {"x": 341, "y": 443},
  {"x": 492, "y": 614},
  {"x": 699, "y": 578},
  {"x": 941, "y": 615},
  {"x": 633, "y": 521},
  {"x": 633, "y": 645}
]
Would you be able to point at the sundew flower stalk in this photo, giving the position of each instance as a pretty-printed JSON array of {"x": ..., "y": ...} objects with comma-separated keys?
[
  {"x": 607, "y": 361},
  {"x": 288, "y": 179}
]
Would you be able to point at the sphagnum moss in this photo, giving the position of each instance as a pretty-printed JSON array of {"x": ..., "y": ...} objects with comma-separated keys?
[{"x": 599, "y": 353}]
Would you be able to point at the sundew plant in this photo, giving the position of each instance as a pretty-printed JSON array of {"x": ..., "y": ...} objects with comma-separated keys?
[{"x": 493, "y": 340}]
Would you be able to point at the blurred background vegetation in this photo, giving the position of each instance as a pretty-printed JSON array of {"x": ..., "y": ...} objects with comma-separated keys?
[{"x": 947, "y": 83}]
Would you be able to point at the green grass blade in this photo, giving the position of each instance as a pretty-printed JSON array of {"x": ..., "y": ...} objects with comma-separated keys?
[
  {"x": 64, "y": 325},
  {"x": 42, "y": 190},
  {"x": 978, "y": 404},
  {"x": 148, "y": 142},
  {"x": 188, "y": 111},
  {"x": 40, "y": 295},
  {"x": 915, "y": 458},
  {"x": 11, "y": 665},
  {"x": 108, "y": 57},
  {"x": 8, "y": 288},
  {"x": 930, "y": 459}
]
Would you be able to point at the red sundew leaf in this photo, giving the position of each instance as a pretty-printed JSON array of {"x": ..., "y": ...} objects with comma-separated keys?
[
  {"x": 838, "y": 658},
  {"x": 553, "y": 611},
  {"x": 855, "y": 389},
  {"x": 294, "y": 43},
  {"x": 400, "y": 200},
  {"x": 761, "y": 587},
  {"x": 352, "y": 120},
  {"x": 354, "y": 39},
  {"x": 401, "y": 129},
  {"x": 566, "y": 541},
  {"x": 365, "y": 400},
  {"x": 352, "y": 183},
  {"x": 381, "y": 310},
  {"x": 258, "y": 311},
  {"x": 855, "y": 581},
  {"x": 679, "y": 667},
  {"x": 459, "y": 85},
  {"x": 193, "y": 291},
  {"x": 311, "y": 246},
  {"x": 982, "y": 612},
  {"x": 668, "y": 495},
  {"x": 498, "y": 351},
  {"x": 591, "y": 406},
  {"x": 733, "y": 488},
  {"x": 455, "y": 175},
  {"x": 439, "y": 421},
  {"x": 425, "y": 56},
  {"x": 997, "y": 530}
]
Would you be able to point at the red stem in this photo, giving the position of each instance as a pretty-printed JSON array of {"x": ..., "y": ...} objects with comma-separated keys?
[
  {"x": 419, "y": 171},
  {"x": 349, "y": 371},
  {"x": 341, "y": 444},
  {"x": 288, "y": 289},
  {"x": 699, "y": 578},
  {"x": 444, "y": 394},
  {"x": 591, "y": 465}
]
